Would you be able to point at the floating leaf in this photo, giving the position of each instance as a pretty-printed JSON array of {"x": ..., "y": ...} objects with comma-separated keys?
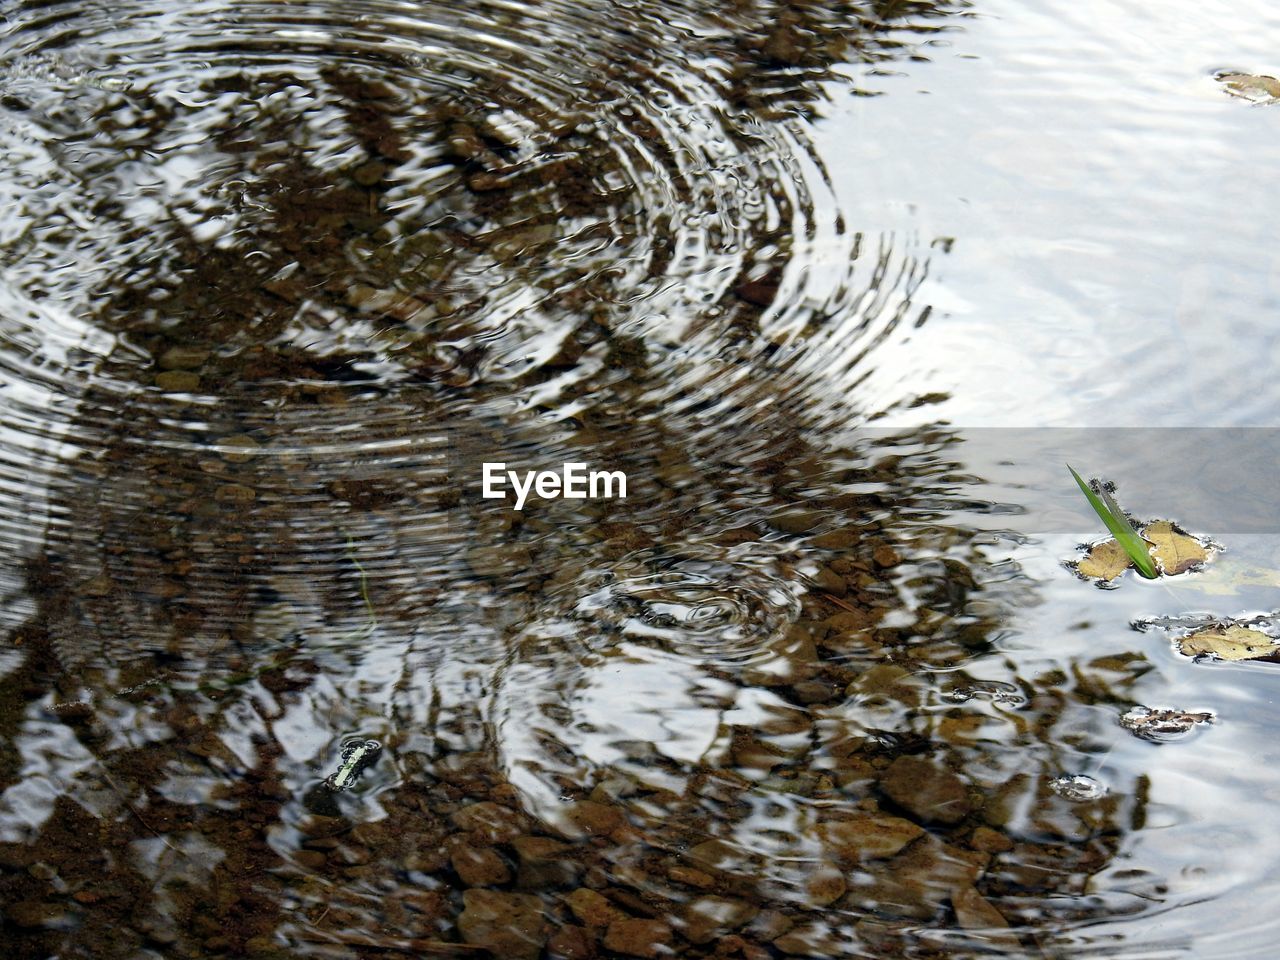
[
  {"x": 1104, "y": 561},
  {"x": 1175, "y": 551},
  {"x": 1121, "y": 528},
  {"x": 1228, "y": 642},
  {"x": 1246, "y": 86}
]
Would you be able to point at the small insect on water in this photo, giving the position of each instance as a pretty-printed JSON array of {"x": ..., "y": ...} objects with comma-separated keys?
[{"x": 356, "y": 755}]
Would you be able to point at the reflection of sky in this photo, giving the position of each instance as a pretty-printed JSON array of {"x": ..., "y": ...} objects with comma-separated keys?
[
  {"x": 1102, "y": 189},
  {"x": 1207, "y": 840},
  {"x": 1115, "y": 264},
  {"x": 37, "y": 337}
]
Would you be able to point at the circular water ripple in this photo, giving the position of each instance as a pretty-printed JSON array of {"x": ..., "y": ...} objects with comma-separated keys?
[
  {"x": 257, "y": 260},
  {"x": 266, "y": 267},
  {"x": 719, "y": 611},
  {"x": 479, "y": 179}
]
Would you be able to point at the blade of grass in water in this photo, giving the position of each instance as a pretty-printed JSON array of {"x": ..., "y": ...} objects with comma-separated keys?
[{"x": 1125, "y": 533}]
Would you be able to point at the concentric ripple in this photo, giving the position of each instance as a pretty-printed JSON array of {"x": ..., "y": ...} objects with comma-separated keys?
[
  {"x": 323, "y": 240},
  {"x": 720, "y": 611},
  {"x": 272, "y": 276}
]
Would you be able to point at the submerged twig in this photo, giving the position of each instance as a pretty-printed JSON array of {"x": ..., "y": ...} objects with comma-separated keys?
[{"x": 125, "y": 800}]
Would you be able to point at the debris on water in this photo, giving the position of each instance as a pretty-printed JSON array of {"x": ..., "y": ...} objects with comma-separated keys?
[
  {"x": 996, "y": 691},
  {"x": 356, "y": 755},
  {"x": 1160, "y": 724},
  {"x": 1220, "y": 638},
  {"x": 1246, "y": 86},
  {"x": 1187, "y": 621},
  {"x": 1175, "y": 551},
  {"x": 1229, "y": 641},
  {"x": 1077, "y": 787}
]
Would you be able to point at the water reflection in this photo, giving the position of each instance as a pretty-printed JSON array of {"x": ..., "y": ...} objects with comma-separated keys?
[{"x": 277, "y": 279}]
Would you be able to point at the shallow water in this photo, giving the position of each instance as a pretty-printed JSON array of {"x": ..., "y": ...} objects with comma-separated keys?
[{"x": 276, "y": 279}]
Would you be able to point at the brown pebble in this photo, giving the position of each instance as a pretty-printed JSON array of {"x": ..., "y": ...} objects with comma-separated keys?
[
  {"x": 591, "y": 908},
  {"x": 178, "y": 381},
  {"x": 492, "y": 821},
  {"x": 817, "y": 690},
  {"x": 836, "y": 540},
  {"x": 544, "y": 863},
  {"x": 32, "y": 914},
  {"x": 638, "y": 938},
  {"x": 830, "y": 582},
  {"x": 990, "y": 841},
  {"x": 571, "y": 943},
  {"x": 759, "y": 293},
  {"x": 797, "y": 521},
  {"x": 851, "y": 621},
  {"x": 709, "y": 917},
  {"x": 289, "y": 288},
  {"x": 392, "y": 303},
  {"x": 262, "y": 946},
  {"x": 694, "y": 878},
  {"x": 369, "y": 173},
  {"x": 929, "y": 791},
  {"x": 245, "y": 448},
  {"x": 508, "y": 925},
  {"x": 867, "y": 838},
  {"x": 320, "y": 826},
  {"x": 429, "y": 902},
  {"x": 99, "y": 586},
  {"x": 594, "y": 819},
  {"x": 480, "y": 866},
  {"x": 234, "y": 493},
  {"x": 974, "y": 912},
  {"x": 426, "y": 859},
  {"x": 885, "y": 556},
  {"x": 813, "y": 939},
  {"x": 769, "y": 925},
  {"x": 183, "y": 358}
]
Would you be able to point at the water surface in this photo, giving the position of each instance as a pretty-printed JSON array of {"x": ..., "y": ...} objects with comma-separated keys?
[{"x": 275, "y": 279}]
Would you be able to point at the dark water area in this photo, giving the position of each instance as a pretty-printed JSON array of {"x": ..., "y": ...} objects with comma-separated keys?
[{"x": 278, "y": 279}]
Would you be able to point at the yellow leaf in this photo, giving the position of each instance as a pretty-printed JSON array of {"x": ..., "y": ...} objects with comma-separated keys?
[
  {"x": 1250, "y": 87},
  {"x": 1228, "y": 643},
  {"x": 1104, "y": 561},
  {"x": 1175, "y": 552}
]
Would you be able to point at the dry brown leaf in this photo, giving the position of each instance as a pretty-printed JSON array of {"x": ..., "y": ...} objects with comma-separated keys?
[
  {"x": 1104, "y": 561},
  {"x": 1175, "y": 552},
  {"x": 1228, "y": 643},
  {"x": 1259, "y": 89}
]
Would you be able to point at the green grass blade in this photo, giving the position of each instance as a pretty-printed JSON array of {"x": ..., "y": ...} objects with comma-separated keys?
[{"x": 1125, "y": 533}]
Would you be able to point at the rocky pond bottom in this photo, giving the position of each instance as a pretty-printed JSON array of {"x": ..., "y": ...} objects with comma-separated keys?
[
  {"x": 826, "y": 773},
  {"x": 278, "y": 679}
]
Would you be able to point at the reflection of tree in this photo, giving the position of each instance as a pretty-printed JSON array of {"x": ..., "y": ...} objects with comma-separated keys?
[{"x": 782, "y": 67}]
